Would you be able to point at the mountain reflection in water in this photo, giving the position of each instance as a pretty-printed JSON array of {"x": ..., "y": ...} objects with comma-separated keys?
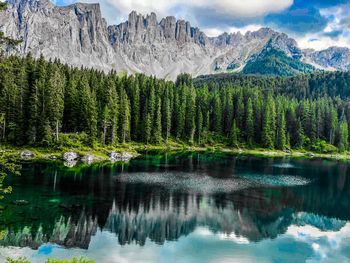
[{"x": 163, "y": 198}]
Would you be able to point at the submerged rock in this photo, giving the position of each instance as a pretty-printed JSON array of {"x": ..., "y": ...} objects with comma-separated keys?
[
  {"x": 27, "y": 154},
  {"x": 20, "y": 202},
  {"x": 70, "y": 156}
]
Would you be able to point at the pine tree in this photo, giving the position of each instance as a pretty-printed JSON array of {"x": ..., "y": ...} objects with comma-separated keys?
[
  {"x": 124, "y": 117},
  {"x": 199, "y": 125},
  {"x": 105, "y": 123},
  {"x": 157, "y": 129},
  {"x": 111, "y": 112},
  {"x": 227, "y": 97},
  {"x": 343, "y": 135},
  {"x": 55, "y": 99},
  {"x": 299, "y": 135},
  {"x": 250, "y": 122},
  {"x": 47, "y": 134},
  {"x": 87, "y": 112},
  {"x": 234, "y": 134},
  {"x": 71, "y": 104},
  {"x": 190, "y": 122},
  {"x": 148, "y": 129},
  {"x": 268, "y": 132},
  {"x": 33, "y": 109},
  {"x": 280, "y": 126},
  {"x": 181, "y": 113},
  {"x": 135, "y": 108},
  {"x": 239, "y": 110},
  {"x": 217, "y": 113},
  {"x": 166, "y": 118}
]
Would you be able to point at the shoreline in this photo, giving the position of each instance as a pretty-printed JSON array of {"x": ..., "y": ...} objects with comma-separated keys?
[{"x": 103, "y": 154}]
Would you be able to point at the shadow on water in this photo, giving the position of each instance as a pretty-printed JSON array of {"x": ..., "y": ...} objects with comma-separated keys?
[{"x": 161, "y": 198}]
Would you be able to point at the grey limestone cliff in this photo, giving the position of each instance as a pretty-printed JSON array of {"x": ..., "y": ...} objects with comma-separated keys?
[{"x": 79, "y": 36}]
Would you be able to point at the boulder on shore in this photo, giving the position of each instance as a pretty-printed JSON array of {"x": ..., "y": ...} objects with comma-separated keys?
[
  {"x": 70, "y": 156},
  {"x": 27, "y": 154}
]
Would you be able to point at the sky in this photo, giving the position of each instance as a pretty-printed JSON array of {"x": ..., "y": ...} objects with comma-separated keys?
[{"x": 316, "y": 24}]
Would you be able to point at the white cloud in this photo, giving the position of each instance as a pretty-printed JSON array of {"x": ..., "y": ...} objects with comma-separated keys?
[
  {"x": 320, "y": 41},
  {"x": 338, "y": 22},
  {"x": 239, "y": 8},
  {"x": 228, "y": 8},
  {"x": 336, "y": 33}
]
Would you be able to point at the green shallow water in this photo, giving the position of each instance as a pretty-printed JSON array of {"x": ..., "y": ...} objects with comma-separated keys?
[{"x": 181, "y": 208}]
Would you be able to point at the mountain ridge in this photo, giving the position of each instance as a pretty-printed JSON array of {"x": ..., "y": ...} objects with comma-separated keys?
[{"x": 78, "y": 35}]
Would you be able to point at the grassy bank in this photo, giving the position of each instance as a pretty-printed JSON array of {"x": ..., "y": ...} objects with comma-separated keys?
[{"x": 102, "y": 153}]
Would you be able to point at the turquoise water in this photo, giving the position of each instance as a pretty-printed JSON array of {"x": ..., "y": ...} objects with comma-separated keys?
[{"x": 181, "y": 208}]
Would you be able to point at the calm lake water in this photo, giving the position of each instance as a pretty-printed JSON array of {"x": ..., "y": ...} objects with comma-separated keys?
[{"x": 181, "y": 208}]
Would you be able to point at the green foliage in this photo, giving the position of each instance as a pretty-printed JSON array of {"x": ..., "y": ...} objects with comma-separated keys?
[
  {"x": 322, "y": 146},
  {"x": 72, "y": 140},
  {"x": 8, "y": 165},
  {"x": 18, "y": 260},
  {"x": 3, "y": 6}
]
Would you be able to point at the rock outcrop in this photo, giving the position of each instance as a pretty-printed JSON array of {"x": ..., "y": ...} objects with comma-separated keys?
[
  {"x": 332, "y": 58},
  {"x": 78, "y": 35}
]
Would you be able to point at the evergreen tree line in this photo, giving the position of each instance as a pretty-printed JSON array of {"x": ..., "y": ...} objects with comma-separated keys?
[
  {"x": 41, "y": 101},
  {"x": 320, "y": 83}
]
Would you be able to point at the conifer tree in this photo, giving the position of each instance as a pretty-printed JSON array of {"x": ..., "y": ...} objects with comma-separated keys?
[
  {"x": 87, "y": 114},
  {"x": 343, "y": 135},
  {"x": 124, "y": 117},
  {"x": 157, "y": 129},
  {"x": 135, "y": 108},
  {"x": 55, "y": 99},
  {"x": 166, "y": 118},
  {"x": 190, "y": 122},
  {"x": 234, "y": 134},
  {"x": 217, "y": 113},
  {"x": 250, "y": 122},
  {"x": 268, "y": 132}
]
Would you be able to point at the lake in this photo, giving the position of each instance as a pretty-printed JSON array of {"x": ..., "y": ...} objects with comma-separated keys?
[{"x": 181, "y": 208}]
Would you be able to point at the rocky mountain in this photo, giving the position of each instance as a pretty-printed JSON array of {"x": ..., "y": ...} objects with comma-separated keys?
[
  {"x": 78, "y": 35},
  {"x": 332, "y": 58}
]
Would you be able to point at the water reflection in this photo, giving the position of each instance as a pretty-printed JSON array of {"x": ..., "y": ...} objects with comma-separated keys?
[{"x": 158, "y": 199}]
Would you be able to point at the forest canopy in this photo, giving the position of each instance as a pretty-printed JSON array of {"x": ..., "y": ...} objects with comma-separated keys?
[{"x": 41, "y": 101}]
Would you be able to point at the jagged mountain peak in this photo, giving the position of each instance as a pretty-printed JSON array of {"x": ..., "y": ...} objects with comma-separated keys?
[
  {"x": 78, "y": 35},
  {"x": 146, "y": 29}
]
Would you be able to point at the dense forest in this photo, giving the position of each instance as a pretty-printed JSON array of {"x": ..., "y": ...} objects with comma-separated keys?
[
  {"x": 313, "y": 85},
  {"x": 41, "y": 102}
]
